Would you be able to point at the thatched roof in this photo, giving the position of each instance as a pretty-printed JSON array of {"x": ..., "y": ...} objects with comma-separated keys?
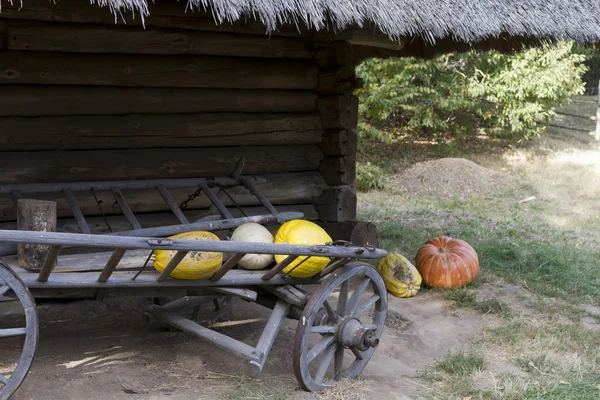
[{"x": 462, "y": 20}]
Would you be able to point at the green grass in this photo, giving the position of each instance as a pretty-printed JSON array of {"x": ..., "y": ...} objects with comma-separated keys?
[
  {"x": 518, "y": 248},
  {"x": 461, "y": 364}
]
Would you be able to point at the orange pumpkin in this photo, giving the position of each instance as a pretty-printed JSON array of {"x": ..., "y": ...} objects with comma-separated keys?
[{"x": 447, "y": 263}]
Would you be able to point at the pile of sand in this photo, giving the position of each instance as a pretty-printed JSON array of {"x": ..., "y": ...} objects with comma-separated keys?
[{"x": 450, "y": 178}]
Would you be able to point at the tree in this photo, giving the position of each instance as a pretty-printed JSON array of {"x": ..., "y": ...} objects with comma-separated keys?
[{"x": 509, "y": 96}]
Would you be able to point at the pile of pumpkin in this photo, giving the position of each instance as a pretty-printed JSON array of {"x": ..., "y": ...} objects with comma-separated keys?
[
  {"x": 203, "y": 264},
  {"x": 443, "y": 262}
]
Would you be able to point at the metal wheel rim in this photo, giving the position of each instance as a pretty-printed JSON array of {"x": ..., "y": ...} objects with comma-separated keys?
[
  {"x": 303, "y": 330},
  {"x": 31, "y": 326}
]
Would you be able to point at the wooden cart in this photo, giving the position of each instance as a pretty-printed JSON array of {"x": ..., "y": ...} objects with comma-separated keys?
[{"x": 340, "y": 311}]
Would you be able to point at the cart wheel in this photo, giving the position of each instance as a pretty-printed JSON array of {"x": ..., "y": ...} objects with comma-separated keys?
[
  {"x": 12, "y": 289},
  {"x": 331, "y": 329}
]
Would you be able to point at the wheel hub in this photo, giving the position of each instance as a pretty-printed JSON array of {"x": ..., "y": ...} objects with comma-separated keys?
[{"x": 352, "y": 334}]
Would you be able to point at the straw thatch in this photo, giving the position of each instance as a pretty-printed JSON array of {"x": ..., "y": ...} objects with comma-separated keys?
[{"x": 462, "y": 20}]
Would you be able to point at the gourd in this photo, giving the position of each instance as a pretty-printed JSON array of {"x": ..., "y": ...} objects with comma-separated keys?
[
  {"x": 447, "y": 263},
  {"x": 303, "y": 233},
  {"x": 196, "y": 264},
  {"x": 401, "y": 277},
  {"x": 256, "y": 233}
]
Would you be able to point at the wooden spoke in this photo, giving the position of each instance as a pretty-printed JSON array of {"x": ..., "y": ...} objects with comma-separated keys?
[
  {"x": 356, "y": 296},
  {"x": 343, "y": 299},
  {"x": 366, "y": 305},
  {"x": 319, "y": 348},
  {"x": 323, "y": 329},
  {"x": 325, "y": 362},
  {"x": 9, "y": 332},
  {"x": 30, "y": 332},
  {"x": 338, "y": 363},
  {"x": 330, "y": 311},
  {"x": 337, "y": 328},
  {"x": 4, "y": 289},
  {"x": 357, "y": 353}
]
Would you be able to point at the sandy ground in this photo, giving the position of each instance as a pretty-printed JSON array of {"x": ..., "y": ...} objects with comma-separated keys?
[{"x": 95, "y": 350}]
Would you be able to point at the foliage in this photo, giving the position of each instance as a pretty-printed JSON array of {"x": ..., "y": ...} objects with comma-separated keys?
[
  {"x": 464, "y": 94},
  {"x": 369, "y": 177}
]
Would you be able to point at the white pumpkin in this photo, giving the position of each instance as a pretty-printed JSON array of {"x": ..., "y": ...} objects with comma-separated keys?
[{"x": 252, "y": 232}]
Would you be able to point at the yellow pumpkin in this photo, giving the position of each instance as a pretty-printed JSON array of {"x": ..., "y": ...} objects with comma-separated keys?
[
  {"x": 303, "y": 233},
  {"x": 401, "y": 277},
  {"x": 196, "y": 264}
]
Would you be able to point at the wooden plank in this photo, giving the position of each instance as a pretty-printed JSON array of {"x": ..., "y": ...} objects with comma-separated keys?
[
  {"x": 89, "y": 262},
  {"x": 43, "y": 166},
  {"x": 29, "y": 100},
  {"x": 146, "y": 131},
  {"x": 119, "y": 223},
  {"x": 163, "y": 13},
  {"x": 182, "y": 245},
  {"x": 27, "y": 67},
  {"x": 286, "y": 188},
  {"x": 76, "y": 38},
  {"x": 122, "y": 279}
]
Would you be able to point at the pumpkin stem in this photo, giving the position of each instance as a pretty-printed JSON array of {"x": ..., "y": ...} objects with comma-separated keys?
[{"x": 442, "y": 250}]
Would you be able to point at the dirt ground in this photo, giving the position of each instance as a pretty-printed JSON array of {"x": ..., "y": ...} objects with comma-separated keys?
[{"x": 96, "y": 350}]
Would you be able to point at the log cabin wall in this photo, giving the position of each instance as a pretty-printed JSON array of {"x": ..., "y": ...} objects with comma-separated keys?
[{"x": 84, "y": 99}]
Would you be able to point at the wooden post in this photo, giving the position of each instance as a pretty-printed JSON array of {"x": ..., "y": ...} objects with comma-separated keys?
[
  {"x": 598, "y": 116},
  {"x": 34, "y": 215},
  {"x": 338, "y": 108}
]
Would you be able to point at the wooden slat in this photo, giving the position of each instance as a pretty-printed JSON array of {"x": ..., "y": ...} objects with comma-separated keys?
[
  {"x": 164, "y": 13},
  {"x": 31, "y": 100},
  {"x": 177, "y": 258},
  {"x": 172, "y": 204},
  {"x": 76, "y": 38},
  {"x": 278, "y": 268},
  {"x": 70, "y": 197},
  {"x": 146, "y": 131},
  {"x": 155, "y": 71},
  {"x": 125, "y": 208},
  {"x": 29, "y": 167},
  {"x": 49, "y": 264},
  {"x": 111, "y": 265},
  {"x": 293, "y": 188},
  {"x": 230, "y": 263},
  {"x": 215, "y": 201}
]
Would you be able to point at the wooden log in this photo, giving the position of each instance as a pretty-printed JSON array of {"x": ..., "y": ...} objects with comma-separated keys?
[
  {"x": 163, "y": 13},
  {"x": 338, "y": 111},
  {"x": 339, "y": 142},
  {"x": 340, "y": 81},
  {"x": 35, "y": 215},
  {"x": 331, "y": 51},
  {"x": 82, "y": 38},
  {"x": 359, "y": 233},
  {"x": 339, "y": 170},
  {"x": 45, "y": 166},
  {"x": 286, "y": 188},
  {"x": 142, "y": 131},
  {"x": 98, "y": 100},
  {"x": 27, "y": 67},
  {"x": 337, "y": 205}
]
